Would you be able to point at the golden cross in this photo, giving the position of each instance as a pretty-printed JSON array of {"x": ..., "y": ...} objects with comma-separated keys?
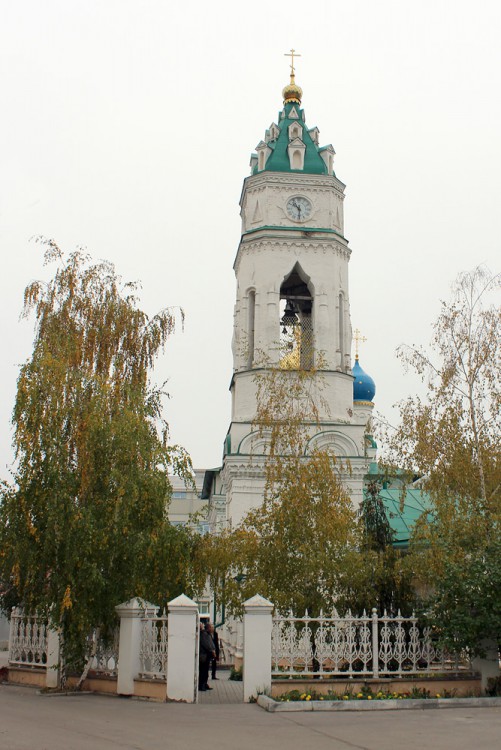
[
  {"x": 358, "y": 338},
  {"x": 291, "y": 54}
]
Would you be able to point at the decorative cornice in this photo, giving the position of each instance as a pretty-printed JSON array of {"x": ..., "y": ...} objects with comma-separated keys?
[
  {"x": 256, "y": 243},
  {"x": 304, "y": 229},
  {"x": 253, "y": 467},
  {"x": 286, "y": 187},
  {"x": 286, "y": 178}
]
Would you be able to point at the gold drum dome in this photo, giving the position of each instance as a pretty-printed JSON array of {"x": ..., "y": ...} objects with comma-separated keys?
[{"x": 292, "y": 92}]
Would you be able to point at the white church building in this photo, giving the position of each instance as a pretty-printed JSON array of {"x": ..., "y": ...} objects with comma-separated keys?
[{"x": 292, "y": 309}]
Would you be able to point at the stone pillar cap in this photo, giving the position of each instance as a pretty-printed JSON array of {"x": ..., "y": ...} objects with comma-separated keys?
[
  {"x": 258, "y": 604},
  {"x": 182, "y": 602},
  {"x": 136, "y": 607}
]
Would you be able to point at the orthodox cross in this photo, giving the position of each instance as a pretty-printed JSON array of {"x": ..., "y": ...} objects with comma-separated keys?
[
  {"x": 359, "y": 339},
  {"x": 291, "y": 54}
]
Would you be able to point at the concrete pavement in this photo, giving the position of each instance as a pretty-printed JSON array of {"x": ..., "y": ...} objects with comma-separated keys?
[
  {"x": 92, "y": 722},
  {"x": 223, "y": 690}
]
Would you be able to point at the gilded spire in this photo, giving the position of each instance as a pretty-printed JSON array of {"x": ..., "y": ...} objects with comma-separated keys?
[{"x": 292, "y": 92}]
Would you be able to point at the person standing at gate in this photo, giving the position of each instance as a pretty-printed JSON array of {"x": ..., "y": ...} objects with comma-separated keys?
[
  {"x": 207, "y": 651},
  {"x": 215, "y": 659}
]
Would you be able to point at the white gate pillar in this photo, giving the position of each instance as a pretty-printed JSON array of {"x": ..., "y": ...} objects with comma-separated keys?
[
  {"x": 52, "y": 671},
  {"x": 257, "y": 646},
  {"x": 488, "y": 666},
  {"x": 182, "y": 664},
  {"x": 130, "y": 614}
]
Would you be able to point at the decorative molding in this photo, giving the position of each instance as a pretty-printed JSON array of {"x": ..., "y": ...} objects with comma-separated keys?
[
  {"x": 341, "y": 444},
  {"x": 257, "y": 245},
  {"x": 290, "y": 178}
]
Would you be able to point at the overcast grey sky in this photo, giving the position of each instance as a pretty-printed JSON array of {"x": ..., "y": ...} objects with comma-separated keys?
[{"x": 127, "y": 127}]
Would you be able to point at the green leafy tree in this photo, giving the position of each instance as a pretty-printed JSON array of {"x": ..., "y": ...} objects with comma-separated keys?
[
  {"x": 466, "y": 603},
  {"x": 451, "y": 438},
  {"x": 84, "y": 525}
]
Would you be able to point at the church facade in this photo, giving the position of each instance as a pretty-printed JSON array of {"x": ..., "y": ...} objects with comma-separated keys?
[{"x": 292, "y": 311}]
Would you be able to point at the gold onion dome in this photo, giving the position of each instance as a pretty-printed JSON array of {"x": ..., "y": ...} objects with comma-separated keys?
[{"x": 292, "y": 92}]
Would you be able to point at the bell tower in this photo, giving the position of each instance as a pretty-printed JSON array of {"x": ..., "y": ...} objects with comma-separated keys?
[{"x": 292, "y": 305}]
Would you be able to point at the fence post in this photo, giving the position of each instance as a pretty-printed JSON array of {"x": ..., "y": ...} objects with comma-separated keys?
[
  {"x": 258, "y": 626},
  {"x": 53, "y": 644},
  {"x": 13, "y": 623},
  {"x": 375, "y": 644},
  {"x": 488, "y": 666},
  {"x": 239, "y": 645},
  {"x": 130, "y": 614},
  {"x": 182, "y": 663}
]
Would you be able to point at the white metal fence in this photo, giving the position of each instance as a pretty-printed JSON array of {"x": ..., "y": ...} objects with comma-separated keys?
[
  {"x": 153, "y": 647},
  {"x": 143, "y": 640},
  {"x": 104, "y": 653},
  {"x": 28, "y": 640},
  {"x": 28, "y": 645},
  {"x": 350, "y": 646},
  {"x": 231, "y": 642}
]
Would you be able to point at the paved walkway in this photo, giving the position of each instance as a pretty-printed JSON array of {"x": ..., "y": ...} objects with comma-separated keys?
[
  {"x": 223, "y": 690},
  {"x": 96, "y": 722}
]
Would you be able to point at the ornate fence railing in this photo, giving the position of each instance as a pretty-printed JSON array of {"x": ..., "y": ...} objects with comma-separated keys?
[
  {"x": 349, "y": 646},
  {"x": 153, "y": 646},
  {"x": 104, "y": 652},
  {"x": 28, "y": 640},
  {"x": 231, "y": 637}
]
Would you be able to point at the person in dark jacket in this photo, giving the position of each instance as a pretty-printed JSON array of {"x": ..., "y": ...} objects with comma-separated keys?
[
  {"x": 207, "y": 651},
  {"x": 215, "y": 659}
]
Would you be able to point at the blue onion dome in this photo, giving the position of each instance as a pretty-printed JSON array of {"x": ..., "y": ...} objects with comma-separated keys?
[{"x": 364, "y": 388}]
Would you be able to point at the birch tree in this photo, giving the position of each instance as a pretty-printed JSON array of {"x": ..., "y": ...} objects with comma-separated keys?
[
  {"x": 84, "y": 525},
  {"x": 451, "y": 438}
]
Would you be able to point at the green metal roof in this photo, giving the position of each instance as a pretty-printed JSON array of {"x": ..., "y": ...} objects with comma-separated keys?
[
  {"x": 403, "y": 519},
  {"x": 278, "y": 160}
]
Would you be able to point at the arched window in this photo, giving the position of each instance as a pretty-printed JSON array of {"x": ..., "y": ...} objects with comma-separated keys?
[
  {"x": 297, "y": 161},
  {"x": 296, "y": 327}
]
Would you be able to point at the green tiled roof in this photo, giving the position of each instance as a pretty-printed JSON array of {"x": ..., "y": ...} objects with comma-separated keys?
[{"x": 278, "y": 160}]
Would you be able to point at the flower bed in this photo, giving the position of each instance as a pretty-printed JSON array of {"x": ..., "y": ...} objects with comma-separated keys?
[
  {"x": 367, "y": 699},
  {"x": 366, "y": 693},
  {"x": 465, "y": 684}
]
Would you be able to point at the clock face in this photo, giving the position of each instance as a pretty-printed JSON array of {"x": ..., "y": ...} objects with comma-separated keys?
[{"x": 299, "y": 208}]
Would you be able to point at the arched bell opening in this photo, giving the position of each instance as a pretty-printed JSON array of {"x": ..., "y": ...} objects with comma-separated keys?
[{"x": 297, "y": 348}]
